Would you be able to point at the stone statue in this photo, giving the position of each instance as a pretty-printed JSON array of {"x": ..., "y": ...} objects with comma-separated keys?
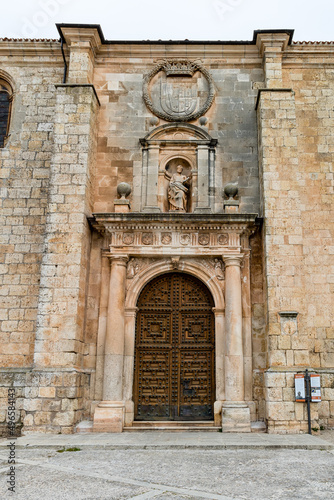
[{"x": 177, "y": 191}]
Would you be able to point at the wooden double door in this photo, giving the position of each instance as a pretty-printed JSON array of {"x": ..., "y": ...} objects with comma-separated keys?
[{"x": 175, "y": 350}]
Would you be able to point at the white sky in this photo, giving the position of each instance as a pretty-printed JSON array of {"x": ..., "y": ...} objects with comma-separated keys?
[{"x": 171, "y": 19}]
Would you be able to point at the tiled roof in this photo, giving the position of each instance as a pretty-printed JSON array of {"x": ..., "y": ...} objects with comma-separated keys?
[
  {"x": 312, "y": 43},
  {"x": 29, "y": 39}
]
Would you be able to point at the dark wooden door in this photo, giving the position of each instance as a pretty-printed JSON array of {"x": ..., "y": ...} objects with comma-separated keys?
[{"x": 174, "y": 354}]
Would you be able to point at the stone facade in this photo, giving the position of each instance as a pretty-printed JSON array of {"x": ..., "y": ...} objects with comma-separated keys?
[{"x": 250, "y": 124}]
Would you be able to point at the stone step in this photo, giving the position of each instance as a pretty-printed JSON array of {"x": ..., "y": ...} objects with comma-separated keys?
[
  {"x": 173, "y": 423},
  {"x": 84, "y": 427},
  {"x": 173, "y": 426},
  {"x": 258, "y": 426},
  {"x": 171, "y": 429}
]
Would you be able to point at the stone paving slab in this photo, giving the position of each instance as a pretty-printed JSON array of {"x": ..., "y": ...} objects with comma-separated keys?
[
  {"x": 172, "y": 474},
  {"x": 172, "y": 440}
]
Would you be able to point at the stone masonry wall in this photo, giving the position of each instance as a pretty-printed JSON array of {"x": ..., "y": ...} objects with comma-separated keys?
[
  {"x": 47, "y": 401},
  {"x": 124, "y": 119},
  {"x": 296, "y": 158},
  {"x": 24, "y": 177},
  {"x": 53, "y": 135}
]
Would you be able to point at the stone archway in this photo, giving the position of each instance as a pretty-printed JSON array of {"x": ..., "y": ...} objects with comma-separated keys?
[{"x": 174, "y": 350}]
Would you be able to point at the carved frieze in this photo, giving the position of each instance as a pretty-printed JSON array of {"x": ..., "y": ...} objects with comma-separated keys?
[
  {"x": 185, "y": 239},
  {"x": 167, "y": 235},
  {"x": 222, "y": 239},
  {"x": 166, "y": 238},
  {"x": 178, "y": 90},
  {"x": 128, "y": 238},
  {"x": 204, "y": 239},
  {"x": 147, "y": 239}
]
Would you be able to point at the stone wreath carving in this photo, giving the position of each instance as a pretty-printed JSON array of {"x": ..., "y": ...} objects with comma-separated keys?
[{"x": 178, "y": 104}]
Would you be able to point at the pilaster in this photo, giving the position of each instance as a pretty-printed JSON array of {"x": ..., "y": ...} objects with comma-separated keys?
[
  {"x": 271, "y": 46},
  {"x": 83, "y": 43},
  {"x": 109, "y": 414},
  {"x": 61, "y": 309}
]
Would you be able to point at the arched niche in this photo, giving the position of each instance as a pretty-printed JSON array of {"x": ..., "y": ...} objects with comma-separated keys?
[
  {"x": 192, "y": 145},
  {"x": 170, "y": 169}
]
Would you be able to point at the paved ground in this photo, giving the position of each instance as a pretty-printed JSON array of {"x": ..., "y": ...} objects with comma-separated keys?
[{"x": 148, "y": 465}]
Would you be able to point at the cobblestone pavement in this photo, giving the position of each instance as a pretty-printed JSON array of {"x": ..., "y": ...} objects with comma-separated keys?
[{"x": 170, "y": 474}]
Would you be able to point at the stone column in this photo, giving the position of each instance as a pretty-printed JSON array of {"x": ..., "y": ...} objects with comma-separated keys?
[
  {"x": 109, "y": 414},
  {"x": 151, "y": 204},
  {"x": 128, "y": 368},
  {"x": 102, "y": 328},
  {"x": 203, "y": 180},
  {"x": 219, "y": 340},
  {"x": 235, "y": 413}
]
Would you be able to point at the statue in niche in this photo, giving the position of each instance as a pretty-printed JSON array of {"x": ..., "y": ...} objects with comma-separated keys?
[{"x": 177, "y": 191}]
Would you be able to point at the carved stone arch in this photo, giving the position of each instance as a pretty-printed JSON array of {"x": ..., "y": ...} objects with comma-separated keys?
[
  {"x": 159, "y": 133},
  {"x": 9, "y": 79},
  {"x": 191, "y": 266}
]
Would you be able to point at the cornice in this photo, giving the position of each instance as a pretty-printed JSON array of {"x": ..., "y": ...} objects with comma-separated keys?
[
  {"x": 31, "y": 52},
  {"x": 171, "y": 218}
]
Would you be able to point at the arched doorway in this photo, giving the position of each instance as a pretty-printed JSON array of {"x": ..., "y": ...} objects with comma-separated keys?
[{"x": 174, "y": 350}]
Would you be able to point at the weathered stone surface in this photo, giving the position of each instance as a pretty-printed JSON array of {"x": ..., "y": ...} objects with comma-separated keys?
[{"x": 267, "y": 130}]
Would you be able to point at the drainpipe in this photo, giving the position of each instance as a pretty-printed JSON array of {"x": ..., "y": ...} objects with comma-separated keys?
[{"x": 65, "y": 63}]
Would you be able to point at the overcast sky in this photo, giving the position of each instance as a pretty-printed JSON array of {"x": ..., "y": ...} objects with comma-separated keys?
[{"x": 171, "y": 19}]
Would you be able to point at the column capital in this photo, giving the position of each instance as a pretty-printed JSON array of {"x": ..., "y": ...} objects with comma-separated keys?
[
  {"x": 218, "y": 312},
  {"x": 232, "y": 260},
  {"x": 118, "y": 260}
]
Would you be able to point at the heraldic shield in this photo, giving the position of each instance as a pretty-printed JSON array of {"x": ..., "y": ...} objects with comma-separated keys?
[{"x": 178, "y": 98}]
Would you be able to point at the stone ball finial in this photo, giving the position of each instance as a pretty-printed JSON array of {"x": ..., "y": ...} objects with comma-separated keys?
[
  {"x": 231, "y": 190},
  {"x": 123, "y": 189},
  {"x": 154, "y": 120},
  {"x": 203, "y": 120}
]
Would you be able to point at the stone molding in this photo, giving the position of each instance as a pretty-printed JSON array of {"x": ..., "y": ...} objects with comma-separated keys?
[
  {"x": 271, "y": 41},
  {"x": 89, "y": 36},
  {"x": 232, "y": 260},
  {"x": 173, "y": 235}
]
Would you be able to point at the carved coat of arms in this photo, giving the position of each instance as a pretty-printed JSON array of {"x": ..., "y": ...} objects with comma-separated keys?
[{"x": 178, "y": 90}]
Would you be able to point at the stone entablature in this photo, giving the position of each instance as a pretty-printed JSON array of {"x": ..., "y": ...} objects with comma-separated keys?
[{"x": 195, "y": 235}]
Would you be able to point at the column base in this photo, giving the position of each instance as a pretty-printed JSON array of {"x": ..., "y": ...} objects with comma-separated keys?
[
  {"x": 235, "y": 417},
  {"x": 217, "y": 411},
  {"x": 109, "y": 416}
]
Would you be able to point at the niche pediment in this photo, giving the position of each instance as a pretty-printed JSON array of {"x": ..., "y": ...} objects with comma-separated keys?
[{"x": 176, "y": 133}]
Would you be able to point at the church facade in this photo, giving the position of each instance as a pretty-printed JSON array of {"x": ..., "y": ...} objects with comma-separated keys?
[{"x": 167, "y": 253}]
